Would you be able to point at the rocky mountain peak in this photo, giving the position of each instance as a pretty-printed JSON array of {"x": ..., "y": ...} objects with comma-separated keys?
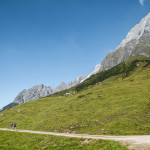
[
  {"x": 137, "y": 31},
  {"x": 33, "y": 93},
  {"x": 137, "y": 42}
]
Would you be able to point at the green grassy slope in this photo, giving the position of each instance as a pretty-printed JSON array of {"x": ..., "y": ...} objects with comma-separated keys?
[
  {"x": 120, "y": 105},
  {"x": 23, "y": 141},
  {"x": 11, "y": 105},
  {"x": 123, "y": 68}
]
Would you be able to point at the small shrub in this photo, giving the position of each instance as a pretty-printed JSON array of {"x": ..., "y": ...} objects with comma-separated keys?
[{"x": 80, "y": 96}]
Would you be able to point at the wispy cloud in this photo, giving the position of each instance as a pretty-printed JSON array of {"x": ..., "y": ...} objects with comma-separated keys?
[{"x": 142, "y": 2}]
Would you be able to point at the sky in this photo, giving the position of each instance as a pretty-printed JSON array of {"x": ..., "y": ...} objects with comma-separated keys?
[{"x": 53, "y": 41}]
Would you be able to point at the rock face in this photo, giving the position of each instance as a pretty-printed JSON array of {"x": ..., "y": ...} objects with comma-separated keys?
[
  {"x": 39, "y": 91},
  {"x": 33, "y": 93},
  {"x": 137, "y": 42},
  {"x": 62, "y": 86}
]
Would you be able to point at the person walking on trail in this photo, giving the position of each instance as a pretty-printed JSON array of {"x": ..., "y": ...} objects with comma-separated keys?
[{"x": 12, "y": 124}]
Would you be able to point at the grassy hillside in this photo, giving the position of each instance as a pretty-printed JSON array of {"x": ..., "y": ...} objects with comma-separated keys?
[
  {"x": 13, "y": 140},
  {"x": 119, "y": 105},
  {"x": 123, "y": 68},
  {"x": 11, "y": 105}
]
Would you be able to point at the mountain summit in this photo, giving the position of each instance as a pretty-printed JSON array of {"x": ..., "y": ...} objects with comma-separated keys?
[
  {"x": 33, "y": 93},
  {"x": 136, "y": 42},
  {"x": 137, "y": 31}
]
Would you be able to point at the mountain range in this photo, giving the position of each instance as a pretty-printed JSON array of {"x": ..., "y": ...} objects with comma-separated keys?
[{"x": 137, "y": 42}]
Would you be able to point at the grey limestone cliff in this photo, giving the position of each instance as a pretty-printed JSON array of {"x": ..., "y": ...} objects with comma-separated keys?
[
  {"x": 137, "y": 42},
  {"x": 33, "y": 93}
]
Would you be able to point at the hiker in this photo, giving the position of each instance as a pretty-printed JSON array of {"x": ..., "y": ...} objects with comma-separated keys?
[{"x": 12, "y": 124}]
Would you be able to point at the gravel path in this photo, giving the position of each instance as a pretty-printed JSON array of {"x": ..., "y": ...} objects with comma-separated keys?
[{"x": 139, "y": 142}]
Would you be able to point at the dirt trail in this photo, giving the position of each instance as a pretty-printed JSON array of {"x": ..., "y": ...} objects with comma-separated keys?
[{"x": 140, "y": 142}]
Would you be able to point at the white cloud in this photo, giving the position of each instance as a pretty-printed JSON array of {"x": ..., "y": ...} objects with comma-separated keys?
[{"x": 141, "y": 2}]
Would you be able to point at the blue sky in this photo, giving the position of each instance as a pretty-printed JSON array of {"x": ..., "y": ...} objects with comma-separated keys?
[{"x": 50, "y": 41}]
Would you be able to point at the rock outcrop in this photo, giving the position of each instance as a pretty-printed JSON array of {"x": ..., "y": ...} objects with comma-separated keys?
[
  {"x": 137, "y": 42},
  {"x": 33, "y": 93}
]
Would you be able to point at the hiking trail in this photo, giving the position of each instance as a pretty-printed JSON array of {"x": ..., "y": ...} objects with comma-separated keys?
[{"x": 138, "y": 142}]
